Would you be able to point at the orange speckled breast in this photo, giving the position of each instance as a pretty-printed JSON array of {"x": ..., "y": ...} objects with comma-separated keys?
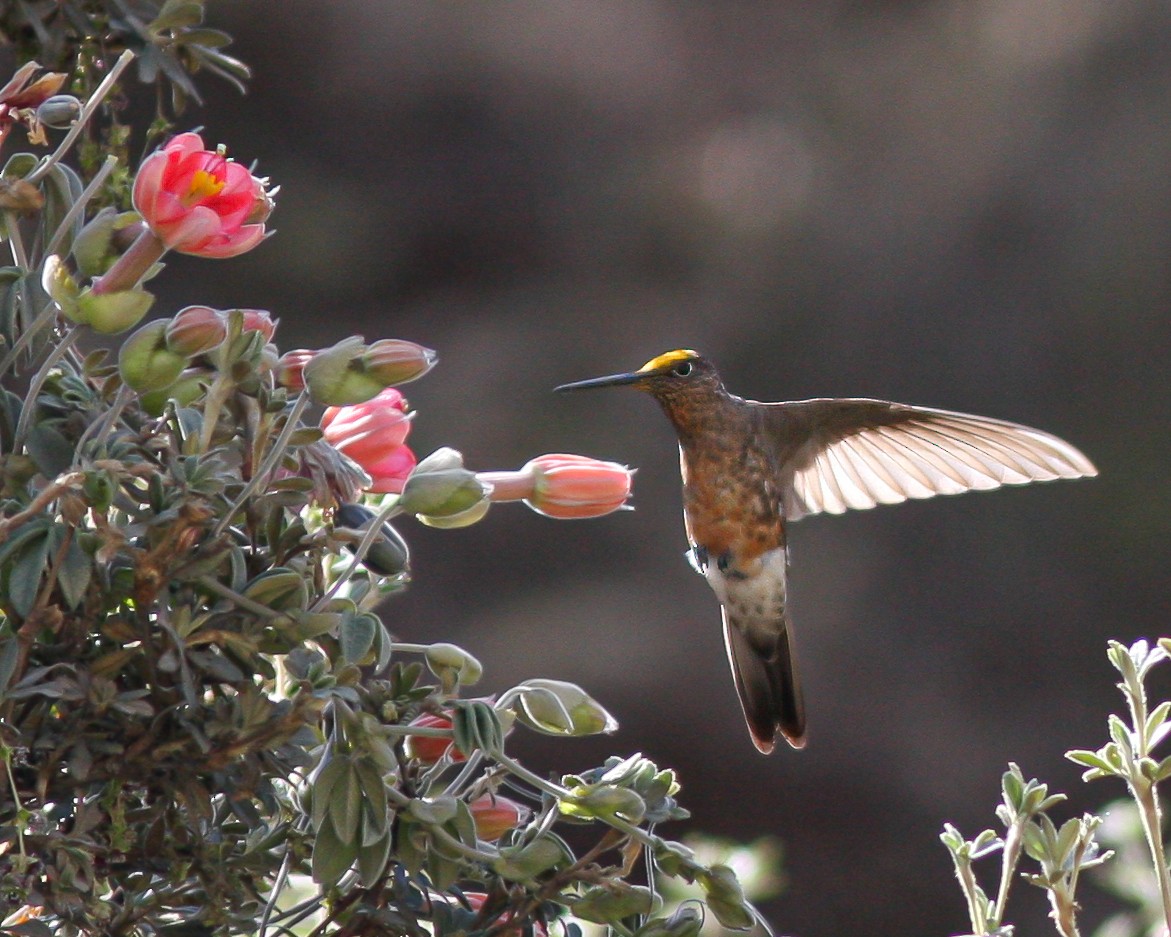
[{"x": 731, "y": 500}]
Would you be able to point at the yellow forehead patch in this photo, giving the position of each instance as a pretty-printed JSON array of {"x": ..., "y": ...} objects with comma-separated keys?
[{"x": 669, "y": 358}]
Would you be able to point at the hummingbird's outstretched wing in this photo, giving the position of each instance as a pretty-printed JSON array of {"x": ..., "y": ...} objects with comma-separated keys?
[{"x": 837, "y": 454}]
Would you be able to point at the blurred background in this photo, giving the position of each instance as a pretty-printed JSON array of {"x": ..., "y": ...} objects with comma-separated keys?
[{"x": 961, "y": 204}]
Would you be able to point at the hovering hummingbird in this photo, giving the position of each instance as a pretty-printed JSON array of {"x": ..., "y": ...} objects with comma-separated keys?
[{"x": 749, "y": 468}]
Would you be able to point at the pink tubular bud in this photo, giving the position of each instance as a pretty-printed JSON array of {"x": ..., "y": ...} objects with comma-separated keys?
[
  {"x": 574, "y": 486},
  {"x": 195, "y": 330}
]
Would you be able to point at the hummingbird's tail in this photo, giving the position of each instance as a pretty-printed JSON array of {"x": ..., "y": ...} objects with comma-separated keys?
[{"x": 765, "y": 670}]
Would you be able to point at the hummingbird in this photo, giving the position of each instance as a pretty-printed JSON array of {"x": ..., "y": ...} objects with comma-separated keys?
[{"x": 749, "y": 468}]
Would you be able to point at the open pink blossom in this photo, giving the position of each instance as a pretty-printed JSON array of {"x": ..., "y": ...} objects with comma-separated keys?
[{"x": 197, "y": 201}]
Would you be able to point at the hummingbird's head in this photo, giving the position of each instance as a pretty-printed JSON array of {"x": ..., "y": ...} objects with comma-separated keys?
[
  {"x": 670, "y": 378},
  {"x": 685, "y": 384}
]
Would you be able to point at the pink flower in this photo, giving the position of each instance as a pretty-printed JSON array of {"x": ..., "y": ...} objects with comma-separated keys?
[
  {"x": 373, "y": 435},
  {"x": 197, "y": 201},
  {"x": 390, "y": 473}
]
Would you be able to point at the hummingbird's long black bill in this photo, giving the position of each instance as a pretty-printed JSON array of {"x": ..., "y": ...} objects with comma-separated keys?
[{"x": 610, "y": 380}]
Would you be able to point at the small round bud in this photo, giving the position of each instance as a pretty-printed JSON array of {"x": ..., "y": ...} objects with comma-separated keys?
[{"x": 59, "y": 111}]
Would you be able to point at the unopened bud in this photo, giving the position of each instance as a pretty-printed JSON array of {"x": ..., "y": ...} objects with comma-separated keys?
[
  {"x": 556, "y": 707},
  {"x": 290, "y": 366},
  {"x": 145, "y": 362},
  {"x": 440, "y": 487},
  {"x": 258, "y": 320},
  {"x": 111, "y": 313},
  {"x": 93, "y": 248},
  {"x": 521, "y": 863},
  {"x": 685, "y": 922},
  {"x": 393, "y": 361},
  {"x": 334, "y": 378},
  {"x": 195, "y": 330},
  {"x": 59, "y": 111},
  {"x": 495, "y": 815},
  {"x": 610, "y": 903},
  {"x": 453, "y": 665},
  {"x": 725, "y": 897},
  {"x": 191, "y": 385}
]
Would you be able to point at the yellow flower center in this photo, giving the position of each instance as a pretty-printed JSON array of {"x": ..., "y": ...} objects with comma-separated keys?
[{"x": 203, "y": 185}]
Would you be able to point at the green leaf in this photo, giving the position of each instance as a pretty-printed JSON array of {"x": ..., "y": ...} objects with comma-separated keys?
[
  {"x": 372, "y": 859},
  {"x": 356, "y": 636},
  {"x": 74, "y": 574},
  {"x": 24, "y": 573},
  {"x": 331, "y": 856},
  {"x": 49, "y": 449},
  {"x": 345, "y": 805},
  {"x": 323, "y": 785}
]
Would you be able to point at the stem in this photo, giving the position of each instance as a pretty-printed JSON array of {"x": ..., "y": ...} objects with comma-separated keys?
[
  {"x": 243, "y": 602},
  {"x": 99, "y": 430},
  {"x": 373, "y": 531},
  {"x": 44, "y": 317},
  {"x": 1152, "y": 818},
  {"x": 34, "y": 387},
  {"x": 19, "y": 819},
  {"x": 1011, "y": 856},
  {"x": 87, "y": 112},
  {"x": 213, "y": 403},
  {"x": 129, "y": 269},
  {"x": 260, "y": 476}
]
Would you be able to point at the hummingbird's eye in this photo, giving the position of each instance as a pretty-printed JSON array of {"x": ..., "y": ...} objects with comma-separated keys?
[{"x": 682, "y": 369}]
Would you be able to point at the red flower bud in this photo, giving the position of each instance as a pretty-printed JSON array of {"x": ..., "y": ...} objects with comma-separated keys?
[
  {"x": 429, "y": 749},
  {"x": 290, "y": 368},
  {"x": 572, "y": 486},
  {"x": 195, "y": 330},
  {"x": 495, "y": 815}
]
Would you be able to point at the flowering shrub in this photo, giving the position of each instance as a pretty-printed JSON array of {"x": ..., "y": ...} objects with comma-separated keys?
[{"x": 197, "y": 699}]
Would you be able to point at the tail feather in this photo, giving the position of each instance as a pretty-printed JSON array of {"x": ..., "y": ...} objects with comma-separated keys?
[{"x": 765, "y": 669}]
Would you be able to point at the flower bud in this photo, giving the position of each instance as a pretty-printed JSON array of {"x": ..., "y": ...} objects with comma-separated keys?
[
  {"x": 556, "y": 707},
  {"x": 725, "y": 897},
  {"x": 145, "y": 362},
  {"x": 59, "y": 111},
  {"x": 191, "y": 385},
  {"x": 428, "y": 749},
  {"x": 573, "y": 486},
  {"x": 453, "y": 665},
  {"x": 521, "y": 863},
  {"x": 388, "y": 554},
  {"x": 393, "y": 361},
  {"x": 58, "y": 282},
  {"x": 258, "y": 320},
  {"x": 195, "y": 330},
  {"x": 685, "y": 922},
  {"x": 613, "y": 901},
  {"x": 98, "y": 244},
  {"x": 495, "y": 815},
  {"x": 607, "y": 800},
  {"x": 334, "y": 377},
  {"x": 111, "y": 313},
  {"x": 441, "y": 487},
  {"x": 289, "y": 367}
]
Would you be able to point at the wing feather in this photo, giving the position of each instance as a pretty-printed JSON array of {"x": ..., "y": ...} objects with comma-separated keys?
[{"x": 858, "y": 453}]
